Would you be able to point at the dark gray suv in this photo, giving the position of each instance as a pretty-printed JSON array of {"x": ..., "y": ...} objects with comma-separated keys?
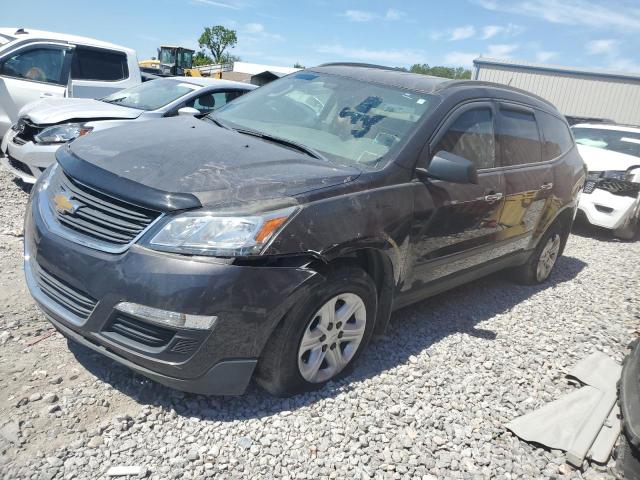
[{"x": 272, "y": 238}]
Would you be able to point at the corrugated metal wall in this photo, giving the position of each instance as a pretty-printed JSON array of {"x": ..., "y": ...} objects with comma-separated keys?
[{"x": 578, "y": 95}]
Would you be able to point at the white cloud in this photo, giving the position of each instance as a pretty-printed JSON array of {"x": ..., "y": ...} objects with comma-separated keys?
[
  {"x": 544, "y": 56},
  {"x": 602, "y": 47},
  {"x": 462, "y": 33},
  {"x": 509, "y": 30},
  {"x": 592, "y": 13},
  {"x": 254, "y": 28},
  {"x": 624, "y": 65},
  {"x": 218, "y": 4},
  {"x": 363, "y": 16},
  {"x": 359, "y": 15},
  {"x": 501, "y": 50},
  {"x": 393, "y": 14},
  {"x": 388, "y": 56}
]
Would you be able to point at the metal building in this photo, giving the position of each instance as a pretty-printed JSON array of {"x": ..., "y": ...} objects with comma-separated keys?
[{"x": 588, "y": 94}]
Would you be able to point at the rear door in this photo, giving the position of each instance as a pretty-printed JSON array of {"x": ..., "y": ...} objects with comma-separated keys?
[
  {"x": 528, "y": 179},
  {"x": 29, "y": 73},
  {"x": 460, "y": 229},
  {"x": 98, "y": 72}
]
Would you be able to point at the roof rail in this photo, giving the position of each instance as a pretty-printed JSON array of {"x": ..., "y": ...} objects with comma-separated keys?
[{"x": 357, "y": 64}]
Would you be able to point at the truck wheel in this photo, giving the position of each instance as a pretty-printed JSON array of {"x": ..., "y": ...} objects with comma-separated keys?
[
  {"x": 322, "y": 336},
  {"x": 628, "y": 232},
  {"x": 543, "y": 258}
]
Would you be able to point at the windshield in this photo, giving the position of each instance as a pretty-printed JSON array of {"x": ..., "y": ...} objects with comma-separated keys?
[
  {"x": 615, "y": 140},
  {"x": 167, "y": 56},
  {"x": 151, "y": 95},
  {"x": 346, "y": 120}
]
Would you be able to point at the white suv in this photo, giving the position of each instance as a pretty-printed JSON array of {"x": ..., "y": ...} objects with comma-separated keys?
[
  {"x": 611, "y": 195},
  {"x": 35, "y": 64}
]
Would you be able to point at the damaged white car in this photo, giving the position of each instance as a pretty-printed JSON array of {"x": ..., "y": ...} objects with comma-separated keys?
[{"x": 611, "y": 195}]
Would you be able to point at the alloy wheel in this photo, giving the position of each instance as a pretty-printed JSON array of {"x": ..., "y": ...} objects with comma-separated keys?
[
  {"x": 548, "y": 257},
  {"x": 331, "y": 338}
]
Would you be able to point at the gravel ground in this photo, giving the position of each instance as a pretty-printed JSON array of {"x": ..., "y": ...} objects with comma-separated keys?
[{"x": 428, "y": 400}]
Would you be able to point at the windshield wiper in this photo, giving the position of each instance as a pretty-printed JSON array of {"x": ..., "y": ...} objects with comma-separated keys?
[
  {"x": 282, "y": 141},
  {"x": 216, "y": 121}
]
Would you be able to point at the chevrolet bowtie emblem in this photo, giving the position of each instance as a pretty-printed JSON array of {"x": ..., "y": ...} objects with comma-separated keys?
[{"x": 64, "y": 204}]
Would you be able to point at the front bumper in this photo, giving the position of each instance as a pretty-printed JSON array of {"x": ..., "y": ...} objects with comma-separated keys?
[
  {"x": 247, "y": 301},
  {"x": 607, "y": 210},
  {"x": 26, "y": 160}
]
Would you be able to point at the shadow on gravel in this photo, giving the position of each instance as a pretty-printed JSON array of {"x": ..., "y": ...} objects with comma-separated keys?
[
  {"x": 412, "y": 330},
  {"x": 25, "y": 187}
]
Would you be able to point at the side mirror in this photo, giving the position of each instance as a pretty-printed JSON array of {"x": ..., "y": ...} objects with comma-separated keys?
[
  {"x": 189, "y": 111},
  {"x": 450, "y": 168}
]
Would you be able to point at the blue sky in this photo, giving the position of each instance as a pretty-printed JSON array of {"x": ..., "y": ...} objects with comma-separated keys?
[{"x": 583, "y": 33}]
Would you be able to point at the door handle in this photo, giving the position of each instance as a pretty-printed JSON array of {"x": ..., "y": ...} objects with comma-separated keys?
[
  {"x": 494, "y": 197},
  {"x": 546, "y": 186},
  {"x": 45, "y": 94}
]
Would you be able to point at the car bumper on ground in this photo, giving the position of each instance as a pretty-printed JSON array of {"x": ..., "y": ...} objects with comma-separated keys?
[
  {"x": 26, "y": 160},
  {"x": 607, "y": 210},
  {"x": 78, "y": 288}
]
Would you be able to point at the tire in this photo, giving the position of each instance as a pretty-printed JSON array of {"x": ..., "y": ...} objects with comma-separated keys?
[
  {"x": 628, "y": 232},
  {"x": 286, "y": 367},
  {"x": 554, "y": 238}
]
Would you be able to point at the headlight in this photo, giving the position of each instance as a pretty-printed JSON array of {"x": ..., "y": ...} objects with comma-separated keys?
[
  {"x": 43, "y": 182},
  {"x": 201, "y": 233},
  {"x": 62, "y": 133}
]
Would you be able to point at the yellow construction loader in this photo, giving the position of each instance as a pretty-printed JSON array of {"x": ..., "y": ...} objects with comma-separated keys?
[{"x": 171, "y": 61}]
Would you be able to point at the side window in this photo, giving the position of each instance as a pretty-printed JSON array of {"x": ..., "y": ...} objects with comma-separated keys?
[
  {"x": 209, "y": 102},
  {"x": 557, "y": 138},
  {"x": 517, "y": 134},
  {"x": 98, "y": 64},
  {"x": 471, "y": 136},
  {"x": 41, "y": 64}
]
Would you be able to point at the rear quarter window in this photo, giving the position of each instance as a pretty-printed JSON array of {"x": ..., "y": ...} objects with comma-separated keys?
[
  {"x": 99, "y": 64},
  {"x": 557, "y": 139}
]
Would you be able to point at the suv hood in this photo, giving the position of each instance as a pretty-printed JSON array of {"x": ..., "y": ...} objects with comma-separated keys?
[
  {"x": 56, "y": 110},
  {"x": 220, "y": 167},
  {"x": 599, "y": 159}
]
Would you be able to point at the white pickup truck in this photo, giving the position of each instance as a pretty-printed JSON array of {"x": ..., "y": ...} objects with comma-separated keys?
[{"x": 35, "y": 65}]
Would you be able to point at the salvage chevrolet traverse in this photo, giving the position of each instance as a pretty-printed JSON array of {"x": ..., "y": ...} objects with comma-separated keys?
[{"x": 271, "y": 239}]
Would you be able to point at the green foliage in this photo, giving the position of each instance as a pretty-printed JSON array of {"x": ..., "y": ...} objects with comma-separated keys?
[
  {"x": 298, "y": 65},
  {"x": 201, "y": 58},
  {"x": 217, "y": 39},
  {"x": 458, "y": 73},
  {"x": 228, "y": 58}
]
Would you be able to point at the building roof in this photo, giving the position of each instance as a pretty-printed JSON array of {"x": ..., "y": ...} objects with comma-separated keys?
[
  {"x": 555, "y": 68},
  {"x": 44, "y": 35}
]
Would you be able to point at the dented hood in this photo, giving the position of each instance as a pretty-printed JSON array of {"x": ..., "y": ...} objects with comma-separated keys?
[
  {"x": 220, "y": 167},
  {"x": 56, "y": 110},
  {"x": 599, "y": 159}
]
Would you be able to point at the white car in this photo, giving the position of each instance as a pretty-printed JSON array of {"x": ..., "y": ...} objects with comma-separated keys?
[
  {"x": 36, "y": 64},
  {"x": 29, "y": 146},
  {"x": 611, "y": 195}
]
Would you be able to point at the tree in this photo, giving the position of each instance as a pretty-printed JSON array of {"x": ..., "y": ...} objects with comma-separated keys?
[
  {"x": 458, "y": 73},
  {"x": 228, "y": 58},
  {"x": 201, "y": 58},
  {"x": 217, "y": 39},
  {"x": 298, "y": 65}
]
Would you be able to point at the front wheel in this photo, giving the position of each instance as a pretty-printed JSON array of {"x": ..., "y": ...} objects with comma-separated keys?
[
  {"x": 322, "y": 336},
  {"x": 543, "y": 258}
]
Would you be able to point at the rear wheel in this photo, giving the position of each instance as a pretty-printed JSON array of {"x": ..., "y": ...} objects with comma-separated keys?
[
  {"x": 322, "y": 336},
  {"x": 544, "y": 257}
]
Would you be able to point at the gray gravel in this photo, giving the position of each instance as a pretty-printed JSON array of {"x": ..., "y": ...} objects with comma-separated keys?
[{"x": 429, "y": 400}]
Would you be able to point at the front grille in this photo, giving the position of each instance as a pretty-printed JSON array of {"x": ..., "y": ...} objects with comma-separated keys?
[
  {"x": 18, "y": 165},
  {"x": 138, "y": 331},
  {"x": 26, "y": 131},
  {"x": 70, "y": 298},
  {"x": 98, "y": 215},
  {"x": 623, "y": 188},
  {"x": 184, "y": 345}
]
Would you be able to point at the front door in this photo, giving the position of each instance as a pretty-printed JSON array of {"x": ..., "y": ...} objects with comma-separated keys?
[
  {"x": 456, "y": 225},
  {"x": 31, "y": 73}
]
